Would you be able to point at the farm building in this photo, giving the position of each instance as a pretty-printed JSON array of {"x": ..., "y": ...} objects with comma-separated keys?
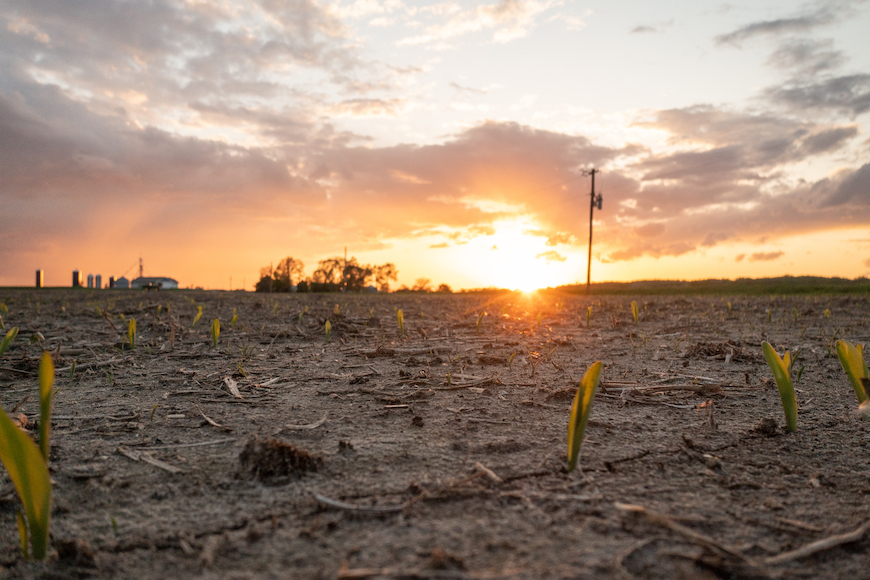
[{"x": 159, "y": 282}]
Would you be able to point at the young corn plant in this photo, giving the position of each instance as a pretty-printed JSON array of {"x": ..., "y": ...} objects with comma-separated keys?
[
  {"x": 198, "y": 316},
  {"x": 634, "y": 311},
  {"x": 27, "y": 465},
  {"x": 215, "y": 332},
  {"x": 234, "y": 319},
  {"x": 479, "y": 320},
  {"x": 580, "y": 412},
  {"x": 781, "y": 368},
  {"x": 401, "y": 319},
  {"x": 8, "y": 339},
  {"x": 852, "y": 359},
  {"x": 328, "y": 329},
  {"x": 131, "y": 333},
  {"x": 588, "y": 316}
]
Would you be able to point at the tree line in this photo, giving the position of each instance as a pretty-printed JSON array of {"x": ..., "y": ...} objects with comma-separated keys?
[
  {"x": 335, "y": 275},
  {"x": 332, "y": 275}
]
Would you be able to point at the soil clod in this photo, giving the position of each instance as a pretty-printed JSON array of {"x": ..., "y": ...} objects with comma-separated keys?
[{"x": 270, "y": 458}]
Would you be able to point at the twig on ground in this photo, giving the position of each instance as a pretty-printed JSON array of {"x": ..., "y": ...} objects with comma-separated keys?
[
  {"x": 688, "y": 533},
  {"x": 309, "y": 426},
  {"x": 137, "y": 456},
  {"x": 349, "y": 507},
  {"x": 211, "y": 421},
  {"x": 820, "y": 546},
  {"x": 183, "y": 445}
]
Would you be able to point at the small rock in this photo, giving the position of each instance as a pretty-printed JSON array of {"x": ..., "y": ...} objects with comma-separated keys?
[
  {"x": 767, "y": 427},
  {"x": 417, "y": 421}
]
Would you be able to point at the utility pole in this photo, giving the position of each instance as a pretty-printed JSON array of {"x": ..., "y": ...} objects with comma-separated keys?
[{"x": 593, "y": 202}]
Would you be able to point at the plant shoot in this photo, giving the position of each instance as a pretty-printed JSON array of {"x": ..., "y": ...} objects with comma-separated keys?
[
  {"x": 781, "y": 368},
  {"x": 852, "y": 359},
  {"x": 8, "y": 339},
  {"x": 580, "y": 412},
  {"x": 215, "y": 332},
  {"x": 29, "y": 474}
]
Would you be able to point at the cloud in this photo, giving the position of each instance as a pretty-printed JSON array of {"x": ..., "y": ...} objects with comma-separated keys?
[
  {"x": 551, "y": 256},
  {"x": 509, "y": 20},
  {"x": 441, "y": 245},
  {"x": 807, "y": 56},
  {"x": 739, "y": 257},
  {"x": 849, "y": 95},
  {"x": 468, "y": 90},
  {"x": 778, "y": 26},
  {"x": 854, "y": 189},
  {"x": 766, "y": 256},
  {"x": 368, "y": 108}
]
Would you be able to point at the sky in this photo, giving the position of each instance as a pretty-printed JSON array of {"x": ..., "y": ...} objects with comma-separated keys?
[{"x": 212, "y": 138}]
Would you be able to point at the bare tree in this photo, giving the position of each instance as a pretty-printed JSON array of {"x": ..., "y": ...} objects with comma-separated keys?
[
  {"x": 422, "y": 285},
  {"x": 383, "y": 275},
  {"x": 289, "y": 271}
]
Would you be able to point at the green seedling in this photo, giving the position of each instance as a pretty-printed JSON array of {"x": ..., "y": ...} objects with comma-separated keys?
[
  {"x": 4, "y": 310},
  {"x": 159, "y": 309},
  {"x": 72, "y": 370},
  {"x": 827, "y": 312},
  {"x": 46, "y": 378},
  {"x": 198, "y": 316},
  {"x": 852, "y": 359},
  {"x": 337, "y": 309},
  {"x": 131, "y": 333},
  {"x": 768, "y": 314},
  {"x": 539, "y": 320},
  {"x": 580, "y": 412},
  {"x": 795, "y": 315},
  {"x": 781, "y": 368},
  {"x": 8, "y": 339},
  {"x": 401, "y": 318},
  {"x": 234, "y": 319},
  {"x": 328, "y": 329},
  {"x": 588, "y": 316},
  {"x": 634, "y": 311},
  {"x": 2, "y": 324},
  {"x": 479, "y": 320},
  {"x": 28, "y": 469},
  {"x": 511, "y": 359},
  {"x": 99, "y": 312},
  {"x": 275, "y": 309},
  {"x": 215, "y": 332},
  {"x": 729, "y": 307}
]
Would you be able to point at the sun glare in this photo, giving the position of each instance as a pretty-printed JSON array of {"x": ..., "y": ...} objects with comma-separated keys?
[{"x": 514, "y": 259}]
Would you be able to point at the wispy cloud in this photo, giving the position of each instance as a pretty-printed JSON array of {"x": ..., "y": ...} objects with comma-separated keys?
[
  {"x": 779, "y": 26},
  {"x": 508, "y": 19}
]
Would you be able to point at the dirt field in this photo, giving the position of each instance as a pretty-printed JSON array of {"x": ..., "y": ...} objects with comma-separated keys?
[{"x": 440, "y": 453}]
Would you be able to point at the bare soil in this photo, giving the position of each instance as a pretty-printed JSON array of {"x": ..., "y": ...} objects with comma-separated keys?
[{"x": 439, "y": 453}]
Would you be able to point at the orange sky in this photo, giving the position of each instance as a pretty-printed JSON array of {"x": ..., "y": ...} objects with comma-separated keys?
[{"x": 447, "y": 138}]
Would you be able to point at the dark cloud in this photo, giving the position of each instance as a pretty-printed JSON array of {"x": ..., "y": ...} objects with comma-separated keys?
[
  {"x": 848, "y": 95},
  {"x": 807, "y": 56},
  {"x": 642, "y": 29},
  {"x": 766, "y": 256},
  {"x": 853, "y": 189},
  {"x": 739, "y": 257},
  {"x": 778, "y": 26}
]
